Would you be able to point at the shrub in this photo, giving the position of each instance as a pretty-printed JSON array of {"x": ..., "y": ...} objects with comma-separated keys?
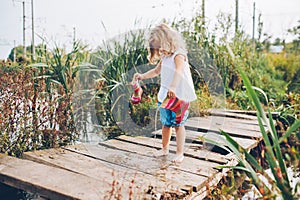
[{"x": 30, "y": 118}]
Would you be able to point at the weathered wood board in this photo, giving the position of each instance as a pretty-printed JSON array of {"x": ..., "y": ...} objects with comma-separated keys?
[
  {"x": 49, "y": 181},
  {"x": 85, "y": 162},
  {"x": 203, "y": 167},
  {"x": 191, "y": 150},
  {"x": 158, "y": 167},
  {"x": 239, "y": 130},
  {"x": 125, "y": 166},
  {"x": 197, "y": 136}
]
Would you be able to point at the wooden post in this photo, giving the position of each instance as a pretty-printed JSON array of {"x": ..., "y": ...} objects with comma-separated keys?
[
  {"x": 24, "y": 44},
  {"x": 74, "y": 35},
  {"x": 203, "y": 13},
  {"x": 14, "y": 60},
  {"x": 236, "y": 15},
  {"x": 32, "y": 41},
  {"x": 253, "y": 28}
]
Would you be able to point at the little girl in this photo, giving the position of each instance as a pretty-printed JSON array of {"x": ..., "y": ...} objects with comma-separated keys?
[{"x": 167, "y": 47}]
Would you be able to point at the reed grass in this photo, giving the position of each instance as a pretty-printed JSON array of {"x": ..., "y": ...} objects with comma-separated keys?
[{"x": 279, "y": 185}]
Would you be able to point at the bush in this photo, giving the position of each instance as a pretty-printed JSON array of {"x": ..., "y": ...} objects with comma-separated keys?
[{"x": 30, "y": 117}]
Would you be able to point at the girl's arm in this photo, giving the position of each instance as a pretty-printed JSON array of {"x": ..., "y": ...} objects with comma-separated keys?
[
  {"x": 149, "y": 74},
  {"x": 179, "y": 64}
]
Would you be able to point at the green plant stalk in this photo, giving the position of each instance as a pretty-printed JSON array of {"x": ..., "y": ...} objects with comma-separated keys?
[
  {"x": 279, "y": 173},
  {"x": 260, "y": 113},
  {"x": 277, "y": 170},
  {"x": 292, "y": 129},
  {"x": 272, "y": 160},
  {"x": 279, "y": 156},
  {"x": 278, "y": 153},
  {"x": 237, "y": 150}
]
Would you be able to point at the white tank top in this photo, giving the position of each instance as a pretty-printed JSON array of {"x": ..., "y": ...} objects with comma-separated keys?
[{"x": 185, "y": 88}]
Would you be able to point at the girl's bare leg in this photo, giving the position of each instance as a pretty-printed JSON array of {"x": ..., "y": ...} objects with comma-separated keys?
[
  {"x": 166, "y": 136},
  {"x": 180, "y": 141}
]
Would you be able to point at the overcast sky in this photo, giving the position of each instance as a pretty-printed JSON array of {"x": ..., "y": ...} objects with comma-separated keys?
[{"x": 55, "y": 19}]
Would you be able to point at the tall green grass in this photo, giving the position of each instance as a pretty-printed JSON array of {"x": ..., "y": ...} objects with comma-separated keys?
[
  {"x": 208, "y": 49},
  {"x": 43, "y": 92},
  {"x": 118, "y": 59},
  {"x": 280, "y": 185}
]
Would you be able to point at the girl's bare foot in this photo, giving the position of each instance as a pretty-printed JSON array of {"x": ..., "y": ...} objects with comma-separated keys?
[
  {"x": 178, "y": 158},
  {"x": 162, "y": 152}
]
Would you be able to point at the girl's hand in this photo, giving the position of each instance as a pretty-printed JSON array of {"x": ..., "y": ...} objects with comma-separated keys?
[
  {"x": 136, "y": 77},
  {"x": 171, "y": 94}
]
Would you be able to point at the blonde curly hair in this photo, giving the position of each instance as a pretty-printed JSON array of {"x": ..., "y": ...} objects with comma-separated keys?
[{"x": 163, "y": 40}]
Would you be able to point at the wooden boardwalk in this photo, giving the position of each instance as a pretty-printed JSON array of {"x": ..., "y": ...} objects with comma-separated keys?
[{"x": 124, "y": 168}]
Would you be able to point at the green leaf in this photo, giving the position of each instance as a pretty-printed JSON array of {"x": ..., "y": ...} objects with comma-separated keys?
[
  {"x": 292, "y": 129},
  {"x": 233, "y": 167}
]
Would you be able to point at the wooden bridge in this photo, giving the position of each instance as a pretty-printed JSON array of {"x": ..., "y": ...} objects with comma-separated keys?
[{"x": 124, "y": 168}]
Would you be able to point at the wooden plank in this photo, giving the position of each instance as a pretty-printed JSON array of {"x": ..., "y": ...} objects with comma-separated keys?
[
  {"x": 253, "y": 112},
  {"x": 129, "y": 181},
  {"x": 220, "y": 122},
  {"x": 205, "y": 127},
  {"x": 199, "y": 167},
  {"x": 247, "y": 144},
  {"x": 48, "y": 181},
  {"x": 235, "y": 115},
  {"x": 197, "y": 136},
  {"x": 224, "y": 113},
  {"x": 157, "y": 167},
  {"x": 191, "y": 150}
]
